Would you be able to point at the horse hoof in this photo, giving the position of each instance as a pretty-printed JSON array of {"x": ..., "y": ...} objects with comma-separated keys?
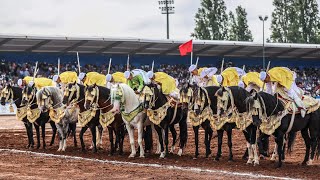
[
  {"x": 304, "y": 163},
  {"x": 142, "y": 156},
  {"x": 162, "y": 155},
  {"x": 249, "y": 161},
  {"x": 217, "y": 159},
  {"x": 172, "y": 150},
  {"x": 256, "y": 163},
  {"x": 310, "y": 162},
  {"x": 58, "y": 150},
  {"x": 180, "y": 152},
  {"x": 132, "y": 155}
]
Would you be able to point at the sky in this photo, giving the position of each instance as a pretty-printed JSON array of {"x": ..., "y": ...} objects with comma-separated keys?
[{"x": 115, "y": 18}]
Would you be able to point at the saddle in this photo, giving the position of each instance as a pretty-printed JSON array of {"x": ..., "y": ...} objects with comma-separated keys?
[
  {"x": 173, "y": 102},
  {"x": 309, "y": 103}
]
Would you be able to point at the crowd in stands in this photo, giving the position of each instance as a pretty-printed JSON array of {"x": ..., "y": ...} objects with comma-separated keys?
[{"x": 307, "y": 78}]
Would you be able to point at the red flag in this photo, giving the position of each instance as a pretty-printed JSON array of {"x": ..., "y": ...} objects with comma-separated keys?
[{"x": 185, "y": 48}]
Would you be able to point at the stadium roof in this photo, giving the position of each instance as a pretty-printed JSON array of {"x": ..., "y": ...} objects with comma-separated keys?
[{"x": 154, "y": 47}]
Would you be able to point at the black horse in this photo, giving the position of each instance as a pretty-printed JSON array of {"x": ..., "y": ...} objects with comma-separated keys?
[
  {"x": 309, "y": 125},
  {"x": 157, "y": 100},
  {"x": 239, "y": 99},
  {"x": 75, "y": 93},
  {"x": 104, "y": 103},
  {"x": 188, "y": 104},
  {"x": 29, "y": 99},
  {"x": 14, "y": 94}
]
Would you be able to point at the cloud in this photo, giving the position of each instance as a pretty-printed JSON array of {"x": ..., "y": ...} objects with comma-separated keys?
[{"x": 120, "y": 18}]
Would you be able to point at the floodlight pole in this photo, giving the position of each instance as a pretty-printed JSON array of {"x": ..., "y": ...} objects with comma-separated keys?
[
  {"x": 263, "y": 50},
  {"x": 167, "y": 11}
]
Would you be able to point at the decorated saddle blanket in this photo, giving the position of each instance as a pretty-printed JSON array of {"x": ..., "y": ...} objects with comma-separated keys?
[{"x": 310, "y": 103}]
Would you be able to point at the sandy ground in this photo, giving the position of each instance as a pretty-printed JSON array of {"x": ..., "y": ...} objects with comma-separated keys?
[{"x": 34, "y": 166}]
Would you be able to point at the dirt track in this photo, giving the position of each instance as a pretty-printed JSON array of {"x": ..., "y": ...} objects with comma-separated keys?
[{"x": 24, "y": 166}]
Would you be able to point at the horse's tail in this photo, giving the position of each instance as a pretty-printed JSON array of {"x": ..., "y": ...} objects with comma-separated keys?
[{"x": 291, "y": 140}]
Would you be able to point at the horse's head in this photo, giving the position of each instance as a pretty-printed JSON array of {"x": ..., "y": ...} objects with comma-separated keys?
[
  {"x": 6, "y": 94},
  {"x": 117, "y": 98},
  {"x": 149, "y": 95},
  {"x": 186, "y": 94},
  {"x": 44, "y": 100},
  {"x": 201, "y": 100},
  {"x": 254, "y": 107},
  {"x": 223, "y": 101},
  {"x": 91, "y": 96},
  {"x": 28, "y": 95},
  {"x": 71, "y": 93}
]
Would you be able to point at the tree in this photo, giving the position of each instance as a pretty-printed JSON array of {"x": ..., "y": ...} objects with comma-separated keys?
[
  {"x": 295, "y": 21},
  {"x": 281, "y": 17},
  {"x": 211, "y": 21},
  {"x": 239, "y": 29}
]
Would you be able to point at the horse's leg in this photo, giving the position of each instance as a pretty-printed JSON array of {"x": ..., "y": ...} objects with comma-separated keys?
[
  {"x": 160, "y": 140},
  {"x": 254, "y": 144},
  {"x": 28, "y": 134},
  {"x": 131, "y": 138},
  {"x": 43, "y": 133},
  {"x": 140, "y": 138},
  {"x": 83, "y": 130},
  {"x": 94, "y": 138},
  {"x": 64, "y": 139},
  {"x": 196, "y": 140},
  {"x": 147, "y": 136},
  {"x": 247, "y": 134},
  {"x": 263, "y": 144},
  {"x": 279, "y": 141},
  {"x": 31, "y": 133},
  {"x": 110, "y": 130},
  {"x": 174, "y": 138},
  {"x": 220, "y": 136},
  {"x": 37, "y": 127},
  {"x": 73, "y": 129},
  {"x": 208, "y": 136},
  {"x": 99, "y": 136},
  {"x": 229, "y": 134},
  {"x": 307, "y": 141},
  {"x": 183, "y": 135},
  {"x": 54, "y": 131},
  {"x": 121, "y": 138},
  {"x": 166, "y": 138},
  {"x": 275, "y": 152},
  {"x": 60, "y": 133}
]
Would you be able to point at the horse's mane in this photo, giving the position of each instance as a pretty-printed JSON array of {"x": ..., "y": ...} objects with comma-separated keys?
[
  {"x": 56, "y": 95},
  {"x": 104, "y": 92},
  {"x": 211, "y": 93},
  {"x": 239, "y": 95},
  {"x": 131, "y": 101},
  {"x": 272, "y": 103}
]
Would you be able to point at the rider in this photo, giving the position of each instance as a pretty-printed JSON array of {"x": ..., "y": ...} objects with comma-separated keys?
[
  {"x": 136, "y": 79},
  {"x": 231, "y": 77},
  {"x": 117, "y": 77},
  {"x": 92, "y": 78},
  {"x": 166, "y": 82},
  {"x": 25, "y": 81},
  {"x": 251, "y": 81},
  {"x": 208, "y": 78},
  {"x": 40, "y": 82},
  {"x": 281, "y": 78},
  {"x": 64, "y": 78},
  {"x": 195, "y": 75}
]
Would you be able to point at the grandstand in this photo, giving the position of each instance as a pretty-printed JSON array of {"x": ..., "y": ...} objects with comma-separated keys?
[{"x": 143, "y": 51}]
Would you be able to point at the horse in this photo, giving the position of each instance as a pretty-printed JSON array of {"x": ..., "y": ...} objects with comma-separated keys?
[
  {"x": 74, "y": 94},
  {"x": 50, "y": 99},
  {"x": 231, "y": 105},
  {"x": 188, "y": 96},
  {"x": 153, "y": 101},
  {"x": 126, "y": 102},
  {"x": 264, "y": 104},
  {"x": 101, "y": 96},
  {"x": 13, "y": 94},
  {"x": 36, "y": 116}
]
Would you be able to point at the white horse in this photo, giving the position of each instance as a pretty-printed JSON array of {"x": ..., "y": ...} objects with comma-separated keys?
[
  {"x": 50, "y": 98},
  {"x": 126, "y": 102}
]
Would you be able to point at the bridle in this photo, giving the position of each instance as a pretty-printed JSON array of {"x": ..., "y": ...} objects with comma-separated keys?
[
  {"x": 149, "y": 96},
  {"x": 7, "y": 94},
  {"x": 30, "y": 98},
  {"x": 201, "y": 99},
  {"x": 186, "y": 97},
  {"x": 93, "y": 98},
  {"x": 75, "y": 89}
]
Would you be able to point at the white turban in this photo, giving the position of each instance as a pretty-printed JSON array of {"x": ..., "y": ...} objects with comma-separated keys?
[
  {"x": 263, "y": 75},
  {"x": 19, "y": 82},
  {"x": 127, "y": 74},
  {"x": 108, "y": 77},
  {"x": 150, "y": 74},
  {"x": 55, "y": 78},
  {"x": 219, "y": 79},
  {"x": 241, "y": 84},
  {"x": 192, "y": 67},
  {"x": 203, "y": 74},
  {"x": 81, "y": 76},
  {"x": 31, "y": 83}
]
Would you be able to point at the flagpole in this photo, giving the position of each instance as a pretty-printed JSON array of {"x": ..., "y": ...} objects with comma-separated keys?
[
  {"x": 78, "y": 62},
  {"x": 58, "y": 66},
  {"x": 191, "y": 53}
]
